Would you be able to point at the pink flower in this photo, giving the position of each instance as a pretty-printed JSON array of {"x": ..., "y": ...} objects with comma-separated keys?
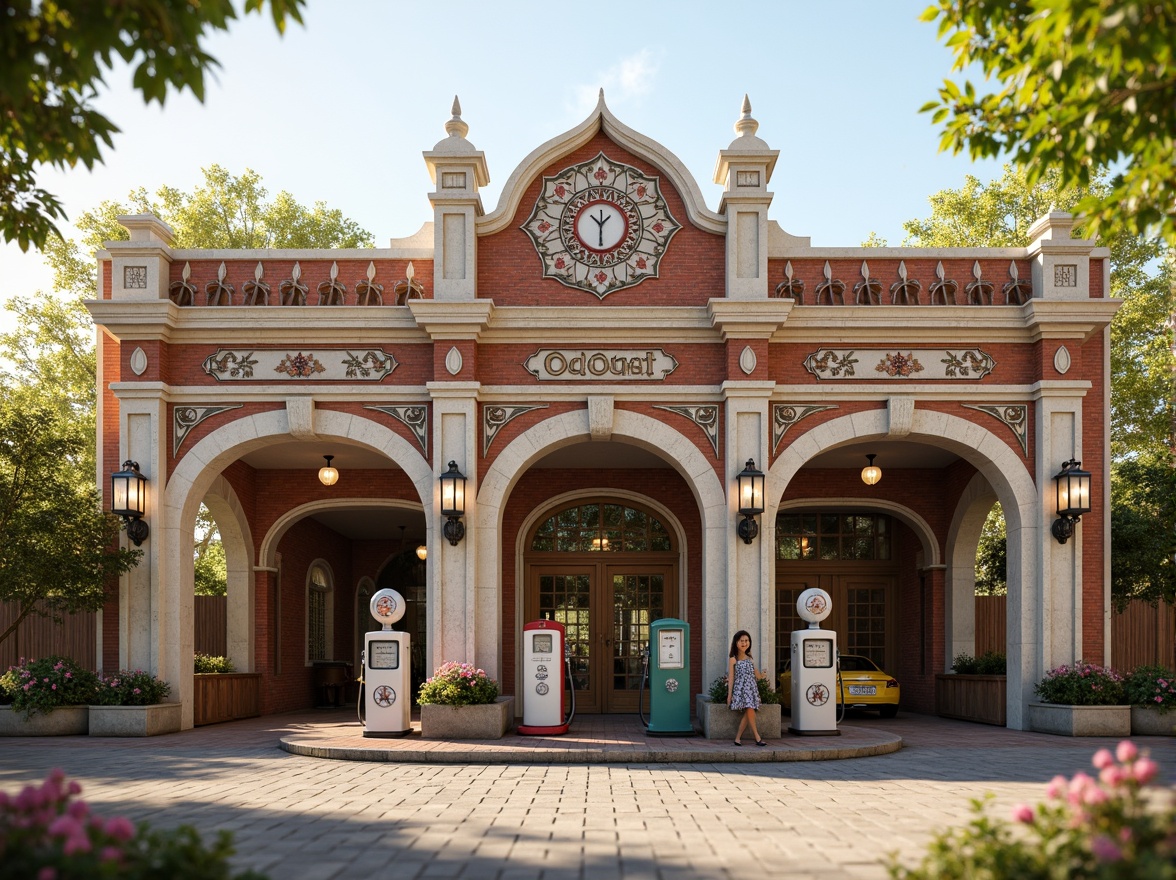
[
  {"x": 1126, "y": 752},
  {"x": 1114, "y": 775},
  {"x": 1093, "y": 796},
  {"x": 1023, "y": 813},
  {"x": 1105, "y": 850},
  {"x": 65, "y": 826},
  {"x": 120, "y": 828},
  {"x": 76, "y": 844},
  {"x": 47, "y": 873},
  {"x": 1056, "y": 787},
  {"x": 1145, "y": 770},
  {"x": 111, "y": 854},
  {"x": 1102, "y": 759}
]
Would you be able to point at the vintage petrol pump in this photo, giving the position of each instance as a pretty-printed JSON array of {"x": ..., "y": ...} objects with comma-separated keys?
[
  {"x": 814, "y": 669},
  {"x": 668, "y": 671},
  {"x": 387, "y": 671},
  {"x": 545, "y": 656}
]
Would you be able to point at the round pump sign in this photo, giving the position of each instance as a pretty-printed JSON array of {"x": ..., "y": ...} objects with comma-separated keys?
[
  {"x": 814, "y": 605},
  {"x": 387, "y": 607}
]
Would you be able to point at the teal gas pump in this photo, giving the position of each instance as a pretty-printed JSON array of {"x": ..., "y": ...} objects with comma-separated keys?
[{"x": 668, "y": 670}]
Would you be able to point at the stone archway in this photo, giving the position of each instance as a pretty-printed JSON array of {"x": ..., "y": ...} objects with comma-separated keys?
[{"x": 237, "y": 540}]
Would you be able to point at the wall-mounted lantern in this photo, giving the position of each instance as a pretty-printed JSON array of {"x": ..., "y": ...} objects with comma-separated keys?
[
  {"x": 751, "y": 500},
  {"x": 1073, "y": 499},
  {"x": 128, "y": 499},
  {"x": 453, "y": 484}
]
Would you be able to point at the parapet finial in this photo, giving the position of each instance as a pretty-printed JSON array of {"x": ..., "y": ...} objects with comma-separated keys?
[
  {"x": 457, "y": 126},
  {"x": 746, "y": 126}
]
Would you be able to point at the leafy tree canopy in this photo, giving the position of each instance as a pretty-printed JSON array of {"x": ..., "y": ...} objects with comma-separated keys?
[
  {"x": 53, "y": 54},
  {"x": 1143, "y": 530},
  {"x": 1076, "y": 86}
]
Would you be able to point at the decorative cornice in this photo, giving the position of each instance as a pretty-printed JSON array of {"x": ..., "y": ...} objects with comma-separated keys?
[
  {"x": 706, "y": 417},
  {"x": 415, "y": 417}
]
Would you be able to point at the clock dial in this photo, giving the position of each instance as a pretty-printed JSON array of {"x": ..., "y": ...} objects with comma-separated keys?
[{"x": 600, "y": 226}]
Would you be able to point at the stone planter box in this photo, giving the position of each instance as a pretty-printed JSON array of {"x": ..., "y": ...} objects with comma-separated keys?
[
  {"x": 1149, "y": 722},
  {"x": 1080, "y": 720},
  {"x": 716, "y": 721},
  {"x": 225, "y": 696},
  {"x": 978, "y": 698},
  {"x": 489, "y": 721},
  {"x": 63, "y": 721},
  {"x": 135, "y": 720}
]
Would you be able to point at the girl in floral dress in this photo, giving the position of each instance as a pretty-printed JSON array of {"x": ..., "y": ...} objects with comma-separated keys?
[{"x": 742, "y": 688}]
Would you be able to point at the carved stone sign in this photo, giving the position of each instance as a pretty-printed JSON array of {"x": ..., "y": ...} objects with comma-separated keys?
[
  {"x": 600, "y": 364},
  {"x": 919, "y": 364},
  {"x": 279, "y": 364}
]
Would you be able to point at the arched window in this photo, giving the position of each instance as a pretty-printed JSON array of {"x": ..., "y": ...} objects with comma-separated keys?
[
  {"x": 601, "y": 526},
  {"x": 319, "y": 612}
]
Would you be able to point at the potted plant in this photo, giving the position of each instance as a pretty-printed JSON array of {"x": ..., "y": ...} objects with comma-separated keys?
[
  {"x": 1081, "y": 700},
  {"x": 461, "y": 701},
  {"x": 716, "y": 721},
  {"x": 220, "y": 693},
  {"x": 47, "y": 697},
  {"x": 975, "y": 689},
  {"x": 133, "y": 704},
  {"x": 1151, "y": 691}
]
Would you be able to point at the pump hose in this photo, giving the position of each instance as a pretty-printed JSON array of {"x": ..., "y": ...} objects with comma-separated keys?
[
  {"x": 641, "y": 686},
  {"x": 571, "y": 687},
  {"x": 359, "y": 706},
  {"x": 840, "y": 700}
]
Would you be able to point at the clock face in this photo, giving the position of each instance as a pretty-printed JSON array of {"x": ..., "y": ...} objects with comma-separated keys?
[{"x": 600, "y": 226}]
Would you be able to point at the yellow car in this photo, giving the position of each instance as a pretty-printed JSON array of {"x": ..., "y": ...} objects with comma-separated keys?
[{"x": 863, "y": 686}]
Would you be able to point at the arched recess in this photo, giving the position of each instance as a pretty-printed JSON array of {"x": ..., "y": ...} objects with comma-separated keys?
[
  {"x": 267, "y": 552},
  {"x": 172, "y": 530},
  {"x": 627, "y": 427},
  {"x": 1013, "y": 485},
  {"x": 917, "y": 524},
  {"x": 963, "y": 540},
  {"x": 237, "y": 539}
]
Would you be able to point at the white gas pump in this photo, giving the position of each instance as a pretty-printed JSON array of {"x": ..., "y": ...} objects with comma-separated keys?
[
  {"x": 544, "y": 658},
  {"x": 814, "y": 669},
  {"x": 387, "y": 672}
]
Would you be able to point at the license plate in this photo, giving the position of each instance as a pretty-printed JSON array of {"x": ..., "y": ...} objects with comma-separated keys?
[{"x": 862, "y": 690}]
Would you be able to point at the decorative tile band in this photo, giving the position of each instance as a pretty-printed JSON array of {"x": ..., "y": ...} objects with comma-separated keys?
[
  {"x": 1014, "y": 415},
  {"x": 495, "y": 418},
  {"x": 185, "y": 418},
  {"x": 923, "y": 364},
  {"x": 330, "y": 364},
  {"x": 706, "y": 417}
]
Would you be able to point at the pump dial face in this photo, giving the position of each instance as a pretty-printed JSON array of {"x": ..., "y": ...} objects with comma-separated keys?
[
  {"x": 384, "y": 696},
  {"x": 817, "y": 695},
  {"x": 387, "y": 607}
]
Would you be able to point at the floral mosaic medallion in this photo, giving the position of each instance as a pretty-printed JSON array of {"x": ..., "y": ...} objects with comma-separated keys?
[{"x": 600, "y": 226}]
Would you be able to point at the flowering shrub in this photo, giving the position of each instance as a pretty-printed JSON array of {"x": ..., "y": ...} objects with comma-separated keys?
[
  {"x": 718, "y": 691},
  {"x": 205, "y": 663},
  {"x": 988, "y": 663},
  {"x": 46, "y": 834},
  {"x": 1151, "y": 686},
  {"x": 44, "y": 685},
  {"x": 1088, "y": 828},
  {"x": 459, "y": 684},
  {"x": 127, "y": 688},
  {"x": 1083, "y": 684}
]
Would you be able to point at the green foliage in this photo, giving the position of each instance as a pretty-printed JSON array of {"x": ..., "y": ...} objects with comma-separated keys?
[
  {"x": 1151, "y": 686},
  {"x": 205, "y": 664},
  {"x": 988, "y": 663},
  {"x": 1143, "y": 530},
  {"x": 130, "y": 688},
  {"x": 44, "y": 685},
  {"x": 458, "y": 684},
  {"x": 211, "y": 568},
  {"x": 992, "y": 558},
  {"x": 1083, "y": 684},
  {"x": 59, "y": 547},
  {"x": 46, "y": 832},
  {"x": 1112, "y": 828},
  {"x": 1077, "y": 85},
  {"x": 52, "y": 59},
  {"x": 718, "y": 691}
]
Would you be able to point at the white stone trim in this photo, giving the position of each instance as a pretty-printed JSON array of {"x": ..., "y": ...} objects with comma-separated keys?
[
  {"x": 237, "y": 540},
  {"x": 917, "y": 524},
  {"x": 963, "y": 540}
]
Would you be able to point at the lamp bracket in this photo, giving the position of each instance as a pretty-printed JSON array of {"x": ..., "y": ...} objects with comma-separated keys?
[
  {"x": 137, "y": 530},
  {"x": 748, "y": 529},
  {"x": 453, "y": 530}
]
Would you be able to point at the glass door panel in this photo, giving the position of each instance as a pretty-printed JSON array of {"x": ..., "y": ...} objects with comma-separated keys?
[
  {"x": 639, "y": 596},
  {"x": 566, "y": 597}
]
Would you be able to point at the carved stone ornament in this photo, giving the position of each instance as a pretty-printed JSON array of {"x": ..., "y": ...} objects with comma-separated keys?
[
  {"x": 335, "y": 364},
  {"x": 706, "y": 417},
  {"x": 496, "y": 417},
  {"x": 1013, "y": 415},
  {"x": 921, "y": 363},
  {"x": 747, "y": 360},
  {"x": 453, "y": 361},
  {"x": 790, "y": 287},
  {"x": 601, "y": 364},
  {"x": 601, "y": 226},
  {"x": 138, "y": 361},
  {"x": 415, "y": 417},
  {"x": 185, "y": 418},
  {"x": 332, "y": 292},
  {"x": 183, "y": 292},
  {"x": 219, "y": 292},
  {"x": 256, "y": 291},
  {"x": 785, "y": 415},
  {"x": 1062, "y": 360}
]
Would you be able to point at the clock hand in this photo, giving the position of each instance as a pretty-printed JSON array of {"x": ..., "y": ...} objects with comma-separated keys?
[{"x": 600, "y": 226}]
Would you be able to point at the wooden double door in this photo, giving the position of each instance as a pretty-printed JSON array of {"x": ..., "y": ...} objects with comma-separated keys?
[{"x": 607, "y": 605}]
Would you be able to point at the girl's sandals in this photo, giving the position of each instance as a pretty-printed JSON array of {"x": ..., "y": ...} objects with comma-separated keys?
[{"x": 760, "y": 742}]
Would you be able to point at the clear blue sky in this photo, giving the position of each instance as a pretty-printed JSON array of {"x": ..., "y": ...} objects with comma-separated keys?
[{"x": 339, "y": 110}]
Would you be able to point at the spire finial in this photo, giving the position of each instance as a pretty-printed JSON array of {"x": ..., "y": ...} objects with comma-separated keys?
[
  {"x": 746, "y": 126},
  {"x": 456, "y": 126}
]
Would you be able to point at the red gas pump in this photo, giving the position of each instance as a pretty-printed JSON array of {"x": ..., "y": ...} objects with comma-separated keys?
[{"x": 545, "y": 711}]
